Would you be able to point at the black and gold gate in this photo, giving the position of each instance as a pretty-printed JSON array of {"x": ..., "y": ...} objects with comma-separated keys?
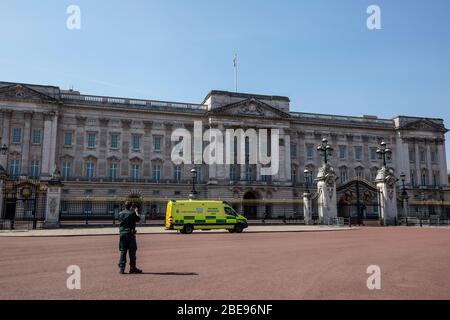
[
  {"x": 358, "y": 201},
  {"x": 23, "y": 204}
]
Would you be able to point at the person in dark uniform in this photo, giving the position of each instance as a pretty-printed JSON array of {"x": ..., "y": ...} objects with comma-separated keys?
[{"x": 127, "y": 243}]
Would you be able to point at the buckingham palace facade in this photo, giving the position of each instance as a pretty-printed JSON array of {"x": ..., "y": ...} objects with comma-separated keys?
[{"x": 109, "y": 148}]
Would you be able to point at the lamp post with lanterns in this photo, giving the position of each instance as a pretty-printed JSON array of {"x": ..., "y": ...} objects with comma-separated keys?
[
  {"x": 384, "y": 153},
  {"x": 405, "y": 197},
  {"x": 193, "y": 194},
  {"x": 325, "y": 150}
]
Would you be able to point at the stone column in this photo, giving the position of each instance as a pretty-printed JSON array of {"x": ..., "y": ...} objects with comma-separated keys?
[
  {"x": 79, "y": 145},
  {"x": 442, "y": 162},
  {"x": 53, "y": 201},
  {"x": 307, "y": 216},
  {"x": 5, "y": 136},
  {"x": 326, "y": 186},
  {"x": 387, "y": 195},
  {"x": 417, "y": 163},
  {"x": 2, "y": 183},
  {"x": 429, "y": 166},
  {"x": 26, "y": 144},
  {"x": 126, "y": 145},
  {"x": 287, "y": 157},
  {"x": 47, "y": 149}
]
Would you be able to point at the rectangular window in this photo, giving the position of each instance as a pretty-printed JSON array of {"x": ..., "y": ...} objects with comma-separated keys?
[
  {"x": 293, "y": 151},
  {"x": 358, "y": 153},
  {"x": 157, "y": 172},
  {"x": 68, "y": 139},
  {"x": 157, "y": 143},
  {"x": 136, "y": 142},
  {"x": 17, "y": 135},
  {"x": 423, "y": 157},
  {"x": 135, "y": 170},
  {"x": 113, "y": 168},
  {"x": 36, "y": 136},
  {"x": 309, "y": 151},
  {"x": 343, "y": 176},
  {"x": 177, "y": 173},
  {"x": 14, "y": 168},
  {"x": 90, "y": 169},
  {"x": 114, "y": 141},
  {"x": 433, "y": 156},
  {"x": 232, "y": 173},
  {"x": 413, "y": 178},
  {"x": 199, "y": 175},
  {"x": 248, "y": 173},
  {"x": 66, "y": 169},
  {"x": 293, "y": 176},
  {"x": 34, "y": 172},
  {"x": 342, "y": 152},
  {"x": 373, "y": 154},
  {"x": 91, "y": 140},
  {"x": 412, "y": 153}
]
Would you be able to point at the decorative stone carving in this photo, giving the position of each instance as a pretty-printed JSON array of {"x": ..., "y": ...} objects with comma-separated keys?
[
  {"x": 386, "y": 184},
  {"x": 326, "y": 186}
]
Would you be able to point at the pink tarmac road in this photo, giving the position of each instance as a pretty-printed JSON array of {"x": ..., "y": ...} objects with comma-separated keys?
[{"x": 414, "y": 262}]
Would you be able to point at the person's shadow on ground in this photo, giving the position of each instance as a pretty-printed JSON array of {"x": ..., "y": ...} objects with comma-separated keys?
[{"x": 171, "y": 273}]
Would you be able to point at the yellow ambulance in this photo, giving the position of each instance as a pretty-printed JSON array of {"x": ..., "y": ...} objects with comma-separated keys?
[{"x": 189, "y": 215}]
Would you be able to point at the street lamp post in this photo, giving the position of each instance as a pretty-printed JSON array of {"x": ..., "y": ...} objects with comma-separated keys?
[
  {"x": 404, "y": 197},
  {"x": 384, "y": 153},
  {"x": 325, "y": 150},
  {"x": 194, "y": 180},
  {"x": 422, "y": 197}
]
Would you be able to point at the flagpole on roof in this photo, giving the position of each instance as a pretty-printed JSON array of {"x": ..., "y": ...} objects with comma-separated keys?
[{"x": 235, "y": 73}]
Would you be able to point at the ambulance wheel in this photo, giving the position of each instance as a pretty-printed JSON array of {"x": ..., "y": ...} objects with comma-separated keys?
[
  {"x": 231, "y": 230},
  {"x": 188, "y": 228},
  {"x": 238, "y": 228}
]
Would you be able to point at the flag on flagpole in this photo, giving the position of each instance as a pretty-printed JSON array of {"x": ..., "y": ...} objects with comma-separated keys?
[{"x": 235, "y": 72}]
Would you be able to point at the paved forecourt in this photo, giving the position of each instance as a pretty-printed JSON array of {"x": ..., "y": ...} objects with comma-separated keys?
[
  {"x": 84, "y": 231},
  {"x": 252, "y": 265}
]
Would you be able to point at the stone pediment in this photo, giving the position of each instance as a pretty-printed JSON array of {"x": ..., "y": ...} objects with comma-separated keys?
[
  {"x": 424, "y": 125},
  {"x": 250, "y": 108},
  {"x": 19, "y": 92}
]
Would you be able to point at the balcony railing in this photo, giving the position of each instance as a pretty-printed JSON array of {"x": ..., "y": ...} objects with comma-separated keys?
[{"x": 89, "y": 99}]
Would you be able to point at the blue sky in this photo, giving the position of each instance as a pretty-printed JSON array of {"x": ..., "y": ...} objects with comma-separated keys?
[{"x": 319, "y": 53}]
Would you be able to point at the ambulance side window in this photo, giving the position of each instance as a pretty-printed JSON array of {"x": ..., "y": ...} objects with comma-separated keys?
[{"x": 229, "y": 211}]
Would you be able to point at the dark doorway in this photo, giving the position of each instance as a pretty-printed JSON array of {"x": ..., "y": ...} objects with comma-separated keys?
[{"x": 250, "y": 205}]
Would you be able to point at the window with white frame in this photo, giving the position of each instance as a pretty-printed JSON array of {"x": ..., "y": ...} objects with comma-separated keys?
[
  {"x": 66, "y": 169},
  {"x": 14, "y": 167},
  {"x": 67, "y": 139},
  {"x": 136, "y": 142},
  {"x": 114, "y": 141},
  {"x": 35, "y": 166},
  {"x": 92, "y": 140},
  {"x": 157, "y": 172},
  {"x": 113, "y": 170},
  {"x": 17, "y": 135},
  {"x": 90, "y": 169},
  {"x": 177, "y": 173},
  {"x": 157, "y": 143},
  {"x": 36, "y": 139},
  {"x": 136, "y": 171}
]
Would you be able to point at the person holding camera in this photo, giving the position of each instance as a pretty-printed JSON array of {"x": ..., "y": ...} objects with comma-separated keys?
[{"x": 127, "y": 243}]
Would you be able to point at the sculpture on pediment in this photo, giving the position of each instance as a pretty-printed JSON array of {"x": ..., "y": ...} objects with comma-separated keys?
[{"x": 251, "y": 109}]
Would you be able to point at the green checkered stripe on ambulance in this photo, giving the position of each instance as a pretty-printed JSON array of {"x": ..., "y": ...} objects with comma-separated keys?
[{"x": 208, "y": 220}]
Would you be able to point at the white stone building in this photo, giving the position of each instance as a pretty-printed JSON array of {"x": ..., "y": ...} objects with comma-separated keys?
[{"x": 109, "y": 148}]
